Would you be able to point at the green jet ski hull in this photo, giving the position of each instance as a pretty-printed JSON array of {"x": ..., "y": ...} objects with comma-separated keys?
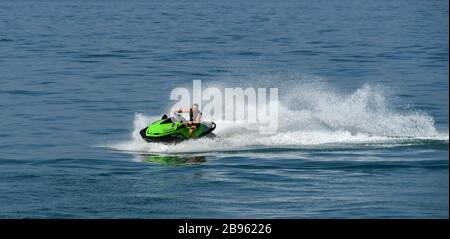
[{"x": 171, "y": 130}]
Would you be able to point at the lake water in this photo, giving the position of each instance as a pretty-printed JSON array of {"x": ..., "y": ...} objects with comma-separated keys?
[{"x": 363, "y": 88}]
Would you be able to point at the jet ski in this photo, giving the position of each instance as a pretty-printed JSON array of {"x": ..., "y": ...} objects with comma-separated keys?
[{"x": 172, "y": 130}]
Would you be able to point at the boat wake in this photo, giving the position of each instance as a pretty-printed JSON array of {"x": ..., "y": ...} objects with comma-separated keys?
[{"x": 311, "y": 116}]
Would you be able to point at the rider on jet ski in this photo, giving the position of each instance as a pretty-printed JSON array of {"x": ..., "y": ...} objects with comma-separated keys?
[
  {"x": 176, "y": 129},
  {"x": 195, "y": 118}
]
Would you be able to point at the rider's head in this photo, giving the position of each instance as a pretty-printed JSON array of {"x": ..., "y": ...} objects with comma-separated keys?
[{"x": 195, "y": 107}]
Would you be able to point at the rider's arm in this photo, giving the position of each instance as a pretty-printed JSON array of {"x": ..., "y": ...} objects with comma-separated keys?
[{"x": 181, "y": 111}]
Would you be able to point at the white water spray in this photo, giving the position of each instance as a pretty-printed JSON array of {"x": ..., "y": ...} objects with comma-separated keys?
[{"x": 310, "y": 115}]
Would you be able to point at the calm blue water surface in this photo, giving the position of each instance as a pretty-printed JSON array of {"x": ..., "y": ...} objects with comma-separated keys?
[{"x": 74, "y": 73}]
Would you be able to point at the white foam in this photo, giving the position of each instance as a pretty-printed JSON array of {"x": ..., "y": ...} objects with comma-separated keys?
[{"x": 310, "y": 114}]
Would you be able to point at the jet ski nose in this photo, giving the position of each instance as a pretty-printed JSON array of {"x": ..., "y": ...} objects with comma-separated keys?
[{"x": 142, "y": 132}]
